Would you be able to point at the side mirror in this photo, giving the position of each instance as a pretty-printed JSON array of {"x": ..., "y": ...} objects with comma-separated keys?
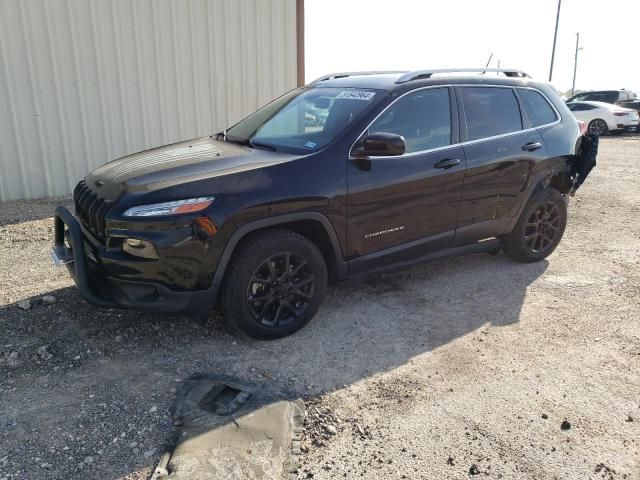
[{"x": 382, "y": 144}]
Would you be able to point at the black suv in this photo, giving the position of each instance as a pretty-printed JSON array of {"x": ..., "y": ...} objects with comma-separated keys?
[
  {"x": 352, "y": 174},
  {"x": 617, "y": 97}
]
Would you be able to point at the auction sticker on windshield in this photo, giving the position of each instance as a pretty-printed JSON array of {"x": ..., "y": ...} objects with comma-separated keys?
[{"x": 356, "y": 95}]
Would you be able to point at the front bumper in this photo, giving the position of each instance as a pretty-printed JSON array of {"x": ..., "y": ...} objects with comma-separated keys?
[{"x": 101, "y": 290}]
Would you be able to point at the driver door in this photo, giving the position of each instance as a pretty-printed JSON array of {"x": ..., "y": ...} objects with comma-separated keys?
[{"x": 400, "y": 207}]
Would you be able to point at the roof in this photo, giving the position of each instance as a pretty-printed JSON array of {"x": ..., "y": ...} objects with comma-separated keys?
[
  {"x": 380, "y": 80},
  {"x": 389, "y": 80},
  {"x": 608, "y": 106},
  {"x": 602, "y": 91}
]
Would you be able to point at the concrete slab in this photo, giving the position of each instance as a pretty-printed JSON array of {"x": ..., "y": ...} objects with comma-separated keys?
[{"x": 231, "y": 429}]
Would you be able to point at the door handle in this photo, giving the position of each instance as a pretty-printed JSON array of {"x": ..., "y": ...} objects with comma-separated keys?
[
  {"x": 447, "y": 163},
  {"x": 531, "y": 146}
]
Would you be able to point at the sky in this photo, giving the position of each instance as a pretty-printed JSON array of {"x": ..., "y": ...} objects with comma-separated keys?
[{"x": 351, "y": 35}]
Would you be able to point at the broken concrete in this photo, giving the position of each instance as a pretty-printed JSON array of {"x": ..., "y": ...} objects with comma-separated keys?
[{"x": 232, "y": 429}]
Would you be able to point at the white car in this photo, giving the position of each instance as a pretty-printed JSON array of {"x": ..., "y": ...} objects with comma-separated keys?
[{"x": 604, "y": 117}]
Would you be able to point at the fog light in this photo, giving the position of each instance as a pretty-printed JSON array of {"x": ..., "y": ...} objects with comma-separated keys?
[{"x": 139, "y": 248}]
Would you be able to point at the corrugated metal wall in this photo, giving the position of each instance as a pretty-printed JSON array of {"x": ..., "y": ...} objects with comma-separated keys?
[{"x": 85, "y": 81}]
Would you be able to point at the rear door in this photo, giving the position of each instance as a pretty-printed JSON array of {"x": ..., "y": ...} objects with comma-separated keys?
[
  {"x": 501, "y": 149},
  {"x": 394, "y": 201}
]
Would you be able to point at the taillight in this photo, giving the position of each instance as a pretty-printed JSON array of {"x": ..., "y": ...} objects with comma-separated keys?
[
  {"x": 583, "y": 127},
  {"x": 620, "y": 114}
]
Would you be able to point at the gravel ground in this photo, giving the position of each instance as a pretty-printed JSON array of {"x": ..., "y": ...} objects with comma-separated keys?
[{"x": 465, "y": 367}]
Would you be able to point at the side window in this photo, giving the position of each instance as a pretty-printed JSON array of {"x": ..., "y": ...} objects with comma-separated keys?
[
  {"x": 490, "y": 111},
  {"x": 538, "y": 107},
  {"x": 423, "y": 118},
  {"x": 607, "y": 97}
]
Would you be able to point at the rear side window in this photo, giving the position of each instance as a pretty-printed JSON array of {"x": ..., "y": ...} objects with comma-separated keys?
[
  {"x": 538, "y": 107},
  {"x": 422, "y": 117},
  {"x": 490, "y": 111},
  {"x": 578, "y": 107}
]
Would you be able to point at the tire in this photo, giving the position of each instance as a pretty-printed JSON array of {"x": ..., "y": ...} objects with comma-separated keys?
[
  {"x": 539, "y": 228},
  {"x": 273, "y": 286},
  {"x": 598, "y": 127}
]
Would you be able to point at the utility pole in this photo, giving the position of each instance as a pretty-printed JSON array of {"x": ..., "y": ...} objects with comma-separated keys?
[
  {"x": 555, "y": 36},
  {"x": 575, "y": 64}
]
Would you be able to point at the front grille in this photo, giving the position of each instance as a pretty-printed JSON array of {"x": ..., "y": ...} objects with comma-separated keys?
[{"x": 91, "y": 209}]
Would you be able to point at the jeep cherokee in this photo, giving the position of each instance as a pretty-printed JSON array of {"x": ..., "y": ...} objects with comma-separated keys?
[{"x": 352, "y": 174}]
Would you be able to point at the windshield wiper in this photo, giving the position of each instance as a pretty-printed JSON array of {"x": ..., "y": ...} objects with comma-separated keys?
[
  {"x": 230, "y": 139},
  {"x": 263, "y": 146},
  {"x": 241, "y": 141},
  {"x": 222, "y": 134}
]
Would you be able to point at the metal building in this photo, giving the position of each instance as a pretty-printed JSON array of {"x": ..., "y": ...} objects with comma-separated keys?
[{"x": 83, "y": 82}]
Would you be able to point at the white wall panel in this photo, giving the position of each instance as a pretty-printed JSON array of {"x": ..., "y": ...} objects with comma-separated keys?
[{"x": 85, "y": 81}]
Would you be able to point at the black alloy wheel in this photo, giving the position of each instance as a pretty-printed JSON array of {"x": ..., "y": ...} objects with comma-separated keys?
[
  {"x": 539, "y": 228},
  {"x": 280, "y": 290},
  {"x": 274, "y": 284},
  {"x": 542, "y": 227}
]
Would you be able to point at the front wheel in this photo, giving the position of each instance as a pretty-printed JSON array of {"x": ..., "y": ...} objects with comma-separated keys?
[
  {"x": 539, "y": 228},
  {"x": 275, "y": 284}
]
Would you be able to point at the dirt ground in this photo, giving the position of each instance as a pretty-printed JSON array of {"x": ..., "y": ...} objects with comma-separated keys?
[{"x": 467, "y": 367}]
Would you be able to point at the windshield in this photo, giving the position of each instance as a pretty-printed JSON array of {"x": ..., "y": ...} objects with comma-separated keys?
[{"x": 303, "y": 120}]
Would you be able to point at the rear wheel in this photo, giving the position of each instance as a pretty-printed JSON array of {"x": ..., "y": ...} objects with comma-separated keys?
[
  {"x": 539, "y": 228},
  {"x": 598, "y": 127},
  {"x": 274, "y": 286}
]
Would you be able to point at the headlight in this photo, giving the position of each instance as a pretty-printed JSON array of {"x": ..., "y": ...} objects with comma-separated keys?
[{"x": 188, "y": 205}]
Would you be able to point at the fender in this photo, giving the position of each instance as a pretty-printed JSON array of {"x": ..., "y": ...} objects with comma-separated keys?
[
  {"x": 240, "y": 233},
  {"x": 538, "y": 181}
]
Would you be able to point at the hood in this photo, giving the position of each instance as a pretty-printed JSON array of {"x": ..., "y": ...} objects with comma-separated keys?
[{"x": 176, "y": 164}]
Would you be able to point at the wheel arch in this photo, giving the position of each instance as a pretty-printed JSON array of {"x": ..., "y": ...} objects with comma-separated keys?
[
  {"x": 556, "y": 178},
  {"x": 312, "y": 225}
]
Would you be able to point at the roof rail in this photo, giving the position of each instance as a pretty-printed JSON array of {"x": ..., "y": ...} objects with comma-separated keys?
[
  {"x": 331, "y": 76},
  {"x": 422, "y": 74}
]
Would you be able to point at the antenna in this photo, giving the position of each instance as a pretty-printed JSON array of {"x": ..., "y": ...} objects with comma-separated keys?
[{"x": 488, "y": 62}]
